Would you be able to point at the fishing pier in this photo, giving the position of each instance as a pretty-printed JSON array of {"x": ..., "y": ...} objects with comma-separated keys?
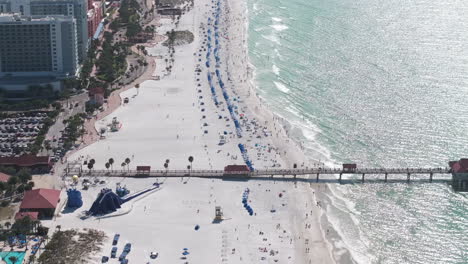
[{"x": 458, "y": 170}]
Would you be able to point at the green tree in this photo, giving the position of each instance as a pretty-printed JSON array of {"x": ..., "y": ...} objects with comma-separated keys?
[
  {"x": 23, "y": 226},
  {"x": 24, "y": 175},
  {"x": 190, "y": 159},
  {"x": 13, "y": 180},
  {"x": 127, "y": 162},
  {"x": 111, "y": 162},
  {"x": 13, "y": 259}
]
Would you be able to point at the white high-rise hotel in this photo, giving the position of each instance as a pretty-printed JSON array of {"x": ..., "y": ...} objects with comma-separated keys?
[
  {"x": 41, "y": 38},
  {"x": 74, "y": 8},
  {"x": 38, "y": 46}
]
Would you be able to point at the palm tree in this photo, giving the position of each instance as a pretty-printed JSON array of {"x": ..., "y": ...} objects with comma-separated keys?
[
  {"x": 92, "y": 161},
  {"x": 7, "y": 225},
  {"x": 13, "y": 259},
  {"x": 123, "y": 165},
  {"x": 127, "y": 161},
  {"x": 111, "y": 162},
  {"x": 190, "y": 159},
  {"x": 59, "y": 227},
  {"x": 35, "y": 225},
  {"x": 90, "y": 166},
  {"x": 107, "y": 166}
]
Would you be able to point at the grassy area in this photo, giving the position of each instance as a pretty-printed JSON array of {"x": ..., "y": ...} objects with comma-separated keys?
[
  {"x": 6, "y": 213},
  {"x": 72, "y": 246},
  {"x": 176, "y": 38}
]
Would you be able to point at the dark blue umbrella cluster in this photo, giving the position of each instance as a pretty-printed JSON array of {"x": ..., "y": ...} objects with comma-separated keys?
[
  {"x": 245, "y": 202},
  {"x": 212, "y": 88},
  {"x": 245, "y": 157},
  {"x": 217, "y": 47}
]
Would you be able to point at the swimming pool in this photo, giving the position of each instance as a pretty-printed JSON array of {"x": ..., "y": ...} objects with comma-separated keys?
[{"x": 6, "y": 257}]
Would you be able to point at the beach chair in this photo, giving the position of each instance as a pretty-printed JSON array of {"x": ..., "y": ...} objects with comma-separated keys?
[
  {"x": 127, "y": 247},
  {"x": 114, "y": 252},
  {"x": 123, "y": 256},
  {"x": 116, "y": 239}
]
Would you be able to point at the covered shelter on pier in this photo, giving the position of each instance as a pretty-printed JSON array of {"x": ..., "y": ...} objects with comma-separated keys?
[
  {"x": 459, "y": 170},
  {"x": 236, "y": 171}
]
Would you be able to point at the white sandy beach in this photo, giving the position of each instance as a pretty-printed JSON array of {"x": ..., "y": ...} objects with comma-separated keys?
[{"x": 167, "y": 119}]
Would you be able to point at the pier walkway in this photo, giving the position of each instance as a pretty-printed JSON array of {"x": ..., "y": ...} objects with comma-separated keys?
[{"x": 309, "y": 173}]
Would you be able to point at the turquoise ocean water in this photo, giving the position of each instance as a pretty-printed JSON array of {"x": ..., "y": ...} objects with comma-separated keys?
[{"x": 379, "y": 83}]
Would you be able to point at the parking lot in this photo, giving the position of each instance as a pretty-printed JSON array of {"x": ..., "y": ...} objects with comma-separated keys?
[{"x": 19, "y": 131}]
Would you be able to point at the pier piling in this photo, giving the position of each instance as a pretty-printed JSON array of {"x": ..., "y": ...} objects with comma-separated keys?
[
  {"x": 363, "y": 177},
  {"x": 408, "y": 177},
  {"x": 317, "y": 177},
  {"x": 430, "y": 176},
  {"x": 386, "y": 175}
]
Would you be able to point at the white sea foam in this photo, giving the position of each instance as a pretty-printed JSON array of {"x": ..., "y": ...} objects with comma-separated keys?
[
  {"x": 272, "y": 38},
  {"x": 255, "y": 7},
  {"x": 275, "y": 69},
  {"x": 277, "y": 19},
  {"x": 279, "y": 27},
  {"x": 281, "y": 87}
]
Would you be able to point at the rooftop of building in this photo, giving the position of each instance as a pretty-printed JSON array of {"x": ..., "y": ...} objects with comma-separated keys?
[
  {"x": 15, "y": 18},
  {"x": 40, "y": 199}
]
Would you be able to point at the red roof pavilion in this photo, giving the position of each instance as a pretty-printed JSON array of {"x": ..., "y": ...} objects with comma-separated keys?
[
  {"x": 32, "y": 215},
  {"x": 4, "y": 177},
  {"x": 40, "y": 199}
]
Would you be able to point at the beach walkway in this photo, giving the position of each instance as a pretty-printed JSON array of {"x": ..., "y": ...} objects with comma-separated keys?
[{"x": 258, "y": 174}]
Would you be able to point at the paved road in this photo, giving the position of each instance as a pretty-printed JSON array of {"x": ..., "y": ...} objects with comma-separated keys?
[{"x": 69, "y": 110}]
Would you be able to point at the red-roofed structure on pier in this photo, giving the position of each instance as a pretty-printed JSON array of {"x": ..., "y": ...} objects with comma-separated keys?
[{"x": 459, "y": 170}]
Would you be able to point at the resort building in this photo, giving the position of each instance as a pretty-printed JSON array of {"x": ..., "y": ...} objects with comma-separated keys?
[
  {"x": 75, "y": 8},
  {"x": 37, "y": 46},
  {"x": 32, "y": 215},
  {"x": 40, "y": 201},
  {"x": 37, "y": 164},
  {"x": 95, "y": 15}
]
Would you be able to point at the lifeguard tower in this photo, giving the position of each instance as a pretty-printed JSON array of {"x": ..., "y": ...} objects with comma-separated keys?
[
  {"x": 115, "y": 125},
  {"x": 218, "y": 214}
]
